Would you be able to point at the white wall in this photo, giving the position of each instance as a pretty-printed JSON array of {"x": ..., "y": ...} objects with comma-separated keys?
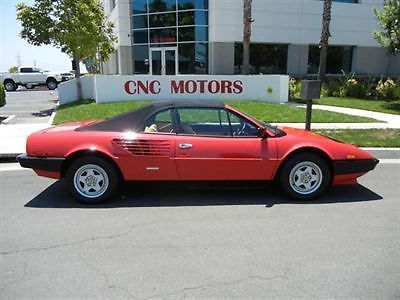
[
  {"x": 68, "y": 90},
  {"x": 294, "y": 22},
  {"x": 111, "y": 88}
]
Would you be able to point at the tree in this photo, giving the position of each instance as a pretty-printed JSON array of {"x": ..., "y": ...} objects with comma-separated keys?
[
  {"x": 13, "y": 69},
  {"x": 79, "y": 28},
  {"x": 389, "y": 20},
  {"x": 324, "y": 41},
  {"x": 247, "y": 20}
]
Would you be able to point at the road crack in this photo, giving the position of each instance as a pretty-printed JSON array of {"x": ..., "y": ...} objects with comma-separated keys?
[{"x": 70, "y": 244}]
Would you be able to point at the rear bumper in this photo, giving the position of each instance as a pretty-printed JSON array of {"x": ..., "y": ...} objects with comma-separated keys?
[
  {"x": 52, "y": 164},
  {"x": 354, "y": 166}
]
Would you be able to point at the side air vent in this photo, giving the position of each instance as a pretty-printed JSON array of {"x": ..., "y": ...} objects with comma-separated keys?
[{"x": 145, "y": 147}]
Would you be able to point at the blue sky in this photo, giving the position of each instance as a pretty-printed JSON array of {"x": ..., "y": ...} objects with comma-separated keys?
[{"x": 11, "y": 44}]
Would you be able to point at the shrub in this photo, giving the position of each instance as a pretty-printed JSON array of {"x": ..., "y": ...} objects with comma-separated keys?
[
  {"x": 2, "y": 95},
  {"x": 388, "y": 89},
  {"x": 294, "y": 88}
]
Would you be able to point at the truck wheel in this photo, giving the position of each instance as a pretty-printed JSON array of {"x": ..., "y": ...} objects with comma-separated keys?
[
  {"x": 10, "y": 85},
  {"x": 51, "y": 84}
]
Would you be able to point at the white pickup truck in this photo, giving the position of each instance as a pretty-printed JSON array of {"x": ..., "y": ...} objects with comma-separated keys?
[{"x": 30, "y": 77}]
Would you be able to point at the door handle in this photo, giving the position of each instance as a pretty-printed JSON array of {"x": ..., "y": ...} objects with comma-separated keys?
[{"x": 185, "y": 146}]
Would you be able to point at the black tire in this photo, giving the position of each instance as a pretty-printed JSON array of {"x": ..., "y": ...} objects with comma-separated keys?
[
  {"x": 10, "y": 85},
  {"x": 51, "y": 84},
  {"x": 305, "y": 176},
  {"x": 92, "y": 179}
]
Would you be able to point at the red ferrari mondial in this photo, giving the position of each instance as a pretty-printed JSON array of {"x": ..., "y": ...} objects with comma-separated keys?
[{"x": 190, "y": 141}]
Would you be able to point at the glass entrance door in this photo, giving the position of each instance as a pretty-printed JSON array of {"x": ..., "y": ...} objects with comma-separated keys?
[{"x": 164, "y": 61}]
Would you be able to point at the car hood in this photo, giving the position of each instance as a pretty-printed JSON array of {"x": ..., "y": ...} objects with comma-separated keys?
[
  {"x": 300, "y": 138},
  {"x": 305, "y": 134}
]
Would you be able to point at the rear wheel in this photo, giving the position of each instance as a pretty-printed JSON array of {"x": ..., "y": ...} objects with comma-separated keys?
[
  {"x": 92, "y": 179},
  {"x": 10, "y": 85},
  {"x": 305, "y": 176}
]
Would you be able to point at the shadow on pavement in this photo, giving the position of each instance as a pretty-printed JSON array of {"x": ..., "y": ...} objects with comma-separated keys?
[
  {"x": 56, "y": 196},
  {"x": 43, "y": 113}
]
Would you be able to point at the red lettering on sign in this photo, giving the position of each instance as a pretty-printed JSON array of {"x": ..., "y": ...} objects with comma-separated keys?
[
  {"x": 140, "y": 87},
  {"x": 238, "y": 87},
  {"x": 177, "y": 88},
  {"x": 214, "y": 86},
  {"x": 202, "y": 85},
  {"x": 190, "y": 87},
  {"x": 128, "y": 85},
  {"x": 155, "y": 87},
  {"x": 226, "y": 86}
]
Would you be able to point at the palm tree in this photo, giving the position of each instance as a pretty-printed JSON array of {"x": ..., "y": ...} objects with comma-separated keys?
[
  {"x": 325, "y": 35},
  {"x": 247, "y": 20}
]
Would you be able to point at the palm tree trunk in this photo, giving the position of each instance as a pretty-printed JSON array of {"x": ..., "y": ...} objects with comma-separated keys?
[
  {"x": 325, "y": 35},
  {"x": 246, "y": 36}
]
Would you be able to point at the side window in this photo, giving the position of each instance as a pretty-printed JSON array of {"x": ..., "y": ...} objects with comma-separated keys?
[
  {"x": 26, "y": 70},
  {"x": 159, "y": 122},
  {"x": 203, "y": 121},
  {"x": 242, "y": 127}
]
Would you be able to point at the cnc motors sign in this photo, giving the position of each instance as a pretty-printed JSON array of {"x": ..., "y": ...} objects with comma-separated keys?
[
  {"x": 111, "y": 88},
  {"x": 154, "y": 87}
]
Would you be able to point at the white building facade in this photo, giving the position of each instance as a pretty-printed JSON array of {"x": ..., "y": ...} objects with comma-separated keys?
[{"x": 168, "y": 37}]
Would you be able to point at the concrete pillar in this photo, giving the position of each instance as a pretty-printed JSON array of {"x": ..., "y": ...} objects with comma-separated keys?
[
  {"x": 297, "y": 60},
  {"x": 221, "y": 58}
]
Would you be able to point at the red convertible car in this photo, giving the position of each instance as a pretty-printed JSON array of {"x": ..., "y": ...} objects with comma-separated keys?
[{"x": 190, "y": 141}]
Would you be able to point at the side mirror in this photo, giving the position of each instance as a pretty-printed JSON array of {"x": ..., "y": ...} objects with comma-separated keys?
[{"x": 263, "y": 133}]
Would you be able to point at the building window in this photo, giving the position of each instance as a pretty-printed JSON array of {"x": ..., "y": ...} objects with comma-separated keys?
[
  {"x": 193, "y": 58},
  {"x": 171, "y": 23},
  {"x": 264, "y": 58},
  {"x": 339, "y": 59},
  {"x": 346, "y": 1},
  {"x": 141, "y": 59}
]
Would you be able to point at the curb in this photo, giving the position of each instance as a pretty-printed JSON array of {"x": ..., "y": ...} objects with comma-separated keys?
[{"x": 50, "y": 122}]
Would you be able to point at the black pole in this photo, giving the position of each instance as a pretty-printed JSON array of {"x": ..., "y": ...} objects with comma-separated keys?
[{"x": 308, "y": 114}]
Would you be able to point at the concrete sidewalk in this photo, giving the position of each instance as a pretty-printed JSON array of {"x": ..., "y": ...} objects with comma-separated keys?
[{"x": 13, "y": 136}]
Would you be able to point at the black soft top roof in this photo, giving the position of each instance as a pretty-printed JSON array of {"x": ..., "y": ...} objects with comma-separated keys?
[{"x": 134, "y": 120}]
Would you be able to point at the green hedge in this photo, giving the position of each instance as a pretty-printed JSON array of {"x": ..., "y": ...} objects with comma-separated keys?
[
  {"x": 357, "y": 87},
  {"x": 2, "y": 95}
]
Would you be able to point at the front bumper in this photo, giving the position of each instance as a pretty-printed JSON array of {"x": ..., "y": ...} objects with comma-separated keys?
[
  {"x": 354, "y": 166},
  {"x": 52, "y": 164}
]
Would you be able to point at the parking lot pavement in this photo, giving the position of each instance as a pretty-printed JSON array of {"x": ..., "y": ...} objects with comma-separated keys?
[
  {"x": 191, "y": 243},
  {"x": 30, "y": 106}
]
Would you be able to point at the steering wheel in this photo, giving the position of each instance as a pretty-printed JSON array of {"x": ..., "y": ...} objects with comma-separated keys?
[{"x": 242, "y": 130}]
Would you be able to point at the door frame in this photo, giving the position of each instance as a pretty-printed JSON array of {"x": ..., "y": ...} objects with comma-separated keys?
[{"x": 163, "y": 61}]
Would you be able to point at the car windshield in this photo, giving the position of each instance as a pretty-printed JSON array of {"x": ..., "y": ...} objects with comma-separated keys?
[{"x": 268, "y": 126}]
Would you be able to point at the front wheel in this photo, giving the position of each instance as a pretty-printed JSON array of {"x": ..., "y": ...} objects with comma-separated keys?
[
  {"x": 51, "y": 84},
  {"x": 305, "y": 176},
  {"x": 92, "y": 180}
]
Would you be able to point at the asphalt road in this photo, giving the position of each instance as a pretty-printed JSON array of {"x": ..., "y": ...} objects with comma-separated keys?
[
  {"x": 30, "y": 106},
  {"x": 191, "y": 243}
]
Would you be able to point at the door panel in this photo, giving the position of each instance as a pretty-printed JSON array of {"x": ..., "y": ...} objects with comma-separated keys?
[
  {"x": 224, "y": 158},
  {"x": 149, "y": 156}
]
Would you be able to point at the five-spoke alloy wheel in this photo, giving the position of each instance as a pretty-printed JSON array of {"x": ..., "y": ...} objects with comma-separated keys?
[
  {"x": 92, "y": 179},
  {"x": 305, "y": 176}
]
